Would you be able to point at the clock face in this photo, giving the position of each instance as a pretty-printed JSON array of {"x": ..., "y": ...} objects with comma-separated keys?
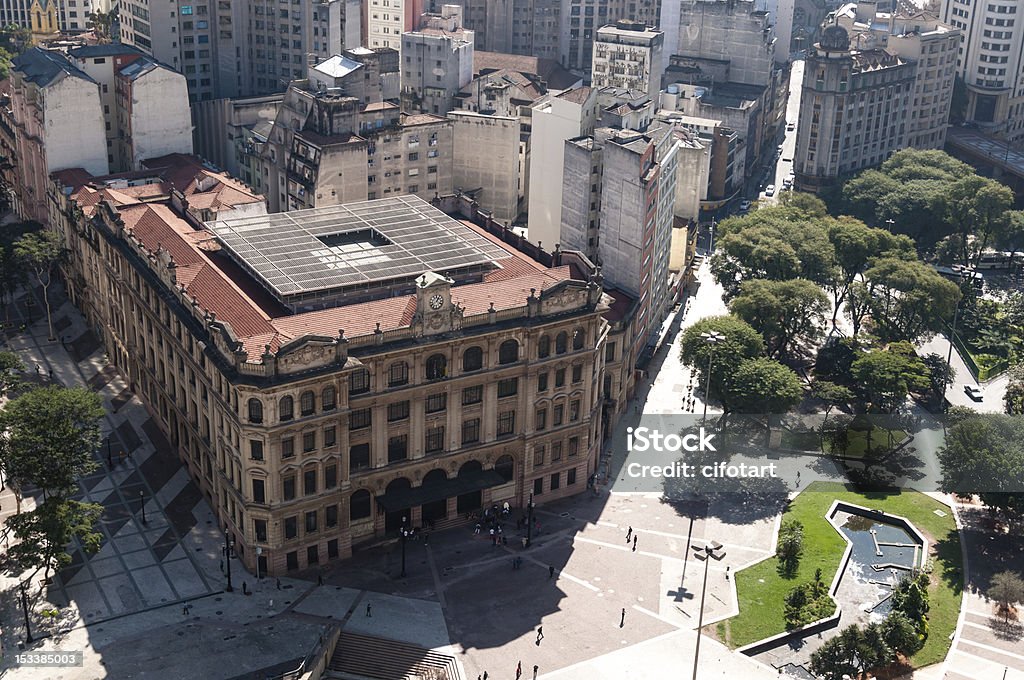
[{"x": 436, "y": 301}]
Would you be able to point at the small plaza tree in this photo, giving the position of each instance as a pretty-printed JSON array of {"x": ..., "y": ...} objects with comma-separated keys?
[{"x": 40, "y": 252}]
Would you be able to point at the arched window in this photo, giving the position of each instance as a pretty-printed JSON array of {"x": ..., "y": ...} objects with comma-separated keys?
[
  {"x": 359, "y": 506},
  {"x": 544, "y": 346},
  {"x": 307, "y": 403},
  {"x": 398, "y": 374},
  {"x": 286, "y": 408},
  {"x": 329, "y": 398},
  {"x": 561, "y": 342},
  {"x": 359, "y": 381},
  {"x": 255, "y": 411},
  {"x": 578, "y": 338},
  {"x": 472, "y": 359},
  {"x": 508, "y": 352},
  {"x": 505, "y": 467},
  {"x": 437, "y": 367}
]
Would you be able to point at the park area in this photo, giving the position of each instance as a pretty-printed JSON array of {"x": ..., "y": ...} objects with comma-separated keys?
[{"x": 763, "y": 587}]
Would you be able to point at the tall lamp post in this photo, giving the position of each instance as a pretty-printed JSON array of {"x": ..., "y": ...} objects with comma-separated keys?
[
  {"x": 529, "y": 520},
  {"x": 405, "y": 535},
  {"x": 949, "y": 353},
  {"x": 24, "y": 608},
  {"x": 715, "y": 552},
  {"x": 142, "y": 505},
  {"x": 710, "y": 338},
  {"x": 228, "y": 544}
]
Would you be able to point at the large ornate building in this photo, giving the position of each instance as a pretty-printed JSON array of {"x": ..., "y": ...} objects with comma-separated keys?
[{"x": 330, "y": 374}]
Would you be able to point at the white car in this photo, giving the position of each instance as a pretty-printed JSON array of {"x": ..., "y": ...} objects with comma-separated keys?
[
  {"x": 744, "y": 205},
  {"x": 974, "y": 393},
  {"x": 787, "y": 182},
  {"x": 769, "y": 190},
  {"x": 790, "y": 127}
]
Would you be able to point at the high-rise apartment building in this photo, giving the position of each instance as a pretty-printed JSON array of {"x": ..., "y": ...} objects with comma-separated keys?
[
  {"x": 528, "y": 27},
  {"x": 855, "y": 110},
  {"x": 437, "y": 62},
  {"x": 229, "y": 49},
  {"x": 486, "y": 161},
  {"x": 990, "y": 61},
  {"x": 628, "y": 55},
  {"x": 387, "y": 20}
]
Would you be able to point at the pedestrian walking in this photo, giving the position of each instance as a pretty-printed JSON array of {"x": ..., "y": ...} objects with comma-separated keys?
[
  {"x": 279, "y": 584},
  {"x": 485, "y": 675},
  {"x": 319, "y": 579},
  {"x": 477, "y": 528},
  {"x": 540, "y": 634},
  {"x": 535, "y": 668},
  {"x": 245, "y": 588},
  {"x": 368, "y": 614},
  {"x": 629, "y": 534},
  {"x": 519, "y": 670},
  {"x": 622, "y": 621},
  {"x": 634, "y": 543},
  {"x": 551, "y": 571}
]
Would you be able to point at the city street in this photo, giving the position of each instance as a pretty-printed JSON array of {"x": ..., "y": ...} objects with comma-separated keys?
[{"x": 784, "y": 162}]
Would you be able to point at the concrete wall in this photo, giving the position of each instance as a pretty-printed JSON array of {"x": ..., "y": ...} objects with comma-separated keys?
[
  {"x": 486, "y": 156},
  {"x": 161, "y": 122},
  {"x": 74, "y": 132}
]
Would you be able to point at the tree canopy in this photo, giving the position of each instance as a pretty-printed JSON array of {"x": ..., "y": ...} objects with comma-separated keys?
[
  {"x": 885, "y": 377},
  {"x": 984, "y": 456},
  {"x": 787, "y": 313},
  {"x": 739, "y": 342}
]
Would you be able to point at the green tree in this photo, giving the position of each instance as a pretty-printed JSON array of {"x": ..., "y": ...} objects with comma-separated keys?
[
  {"x": 1013, "y": 400},
  {"x": 51, "y": 434},
  {"x": 908, "y": 299},
  {"x": 940, "y": 376},
  {"x": 739, "y": 342},
  {"x": 808, "y": 204},
  {"x": 984, "y": 456},
  {"x": 10, "y": 370},
  {"x": 790, "y": 547},
  {"x": 41, "y": 252},
  {"x": 873, "y": 650},
  {"x": 762, "y": 385},
  {"x": 886, "y": 377},
  {"x": 40, "y": 537},
  {"x": 901, "y": 634},
  {"x": 1007, "y": 589},
  {"x": 102, "y": 24},
  {"x": 977, "y": 207},
  {"x": 786, "y": 313},
  {"x": 837, "y": 657},
  {"x": 832, "y": 395},
  {"x": 835, "y": 358},
  {"x": 910, "y": 596}
]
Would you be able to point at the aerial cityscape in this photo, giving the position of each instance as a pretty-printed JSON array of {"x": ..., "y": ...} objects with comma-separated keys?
[{"x": 511, "y": 339}]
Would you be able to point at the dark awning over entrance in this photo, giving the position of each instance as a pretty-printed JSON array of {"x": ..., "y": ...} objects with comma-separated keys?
[{"x": 465, "y": 483}]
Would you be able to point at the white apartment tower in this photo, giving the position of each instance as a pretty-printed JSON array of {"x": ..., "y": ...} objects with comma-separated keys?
[
  {"x": 628, "y": 55},
  {"x": 437, "y": 62}
]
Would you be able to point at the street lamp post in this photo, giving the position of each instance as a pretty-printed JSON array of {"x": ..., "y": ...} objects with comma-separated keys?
[
  {"x": 404, "y": 535},
  {"x": 715, "y": 552},
  {"x": 949, "y": 354},
  {"x": 529, "y": 520},
  {"x": 24, "y": 608},
  {"x": 142, "y": 505},
  {"x": 227, "y": 557},
  {"x": 711, "y": 338}
]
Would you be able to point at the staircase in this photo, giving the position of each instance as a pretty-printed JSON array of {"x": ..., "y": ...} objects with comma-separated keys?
[{"x": 361, "y": 657}]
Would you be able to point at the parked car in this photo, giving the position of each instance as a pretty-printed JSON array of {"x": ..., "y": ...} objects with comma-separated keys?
[
  {"x": 787, "y": 182},
  {"x": 974, "y": 393},
  {"x": 790, "y": 127},
  {"x": 744, "y": 205},
  {"x": 769, "y": 190}
]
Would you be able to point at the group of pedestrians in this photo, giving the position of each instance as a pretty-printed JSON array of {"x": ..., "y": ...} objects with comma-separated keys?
[{"x": 519, "y": 672}]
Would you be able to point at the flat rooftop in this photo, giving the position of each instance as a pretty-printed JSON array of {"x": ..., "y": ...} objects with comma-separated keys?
[{"x": 363, "y": 244}]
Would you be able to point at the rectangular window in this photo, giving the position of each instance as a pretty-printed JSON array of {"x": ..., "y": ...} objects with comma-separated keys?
[
  {"x": 289, "y": 488},
  {"x": 330, "y": 476},
  {"x": 577, "y": 373},
  {"x": 398, "y": 411},
  {"x": 574, "y": 446},
  {"x": 312, "y": 555},
  {"x": 359, "y": 419},
  {"x": 538, "y": 456},
  {"x": 470, "y": 431},
  {"x": 287, "y": 447},
  {"x": 559, "y": 377},
  {"x": 541, "y": 419},
  {"x": 359, "y": 457},
  {"x": 609, "y": 352},
  {"x": 508, "y": 387},
  {"x": 332, "y": 549},
  {"x": 398, "y": 448},
  {"x": 570, "y": 477},
  {"x": 260, "y": 525},
  {"x": 437, "y": 402},
  {"x": 558, "y": 415},
  {"x": 542, "y": 382},
  {"x": 538, "y": 486},
  {"x": 359, "y": 382},
  {"x": 331, "y": 515},
  {"x": 555, "y": 480},
  {"x": 506, "y": 423},
  {"x": 259, "y": 494},
  {"x": 398, "y": 374},
  {"x": 574, "y": 410},
  {"x": 330, "y": 436},
  {"x": 311, "y": 522},
  {"x": 291, "y": 527},
  {"x": 255, "y": 449},
  {"x": 435, "y": 439},
  {"x": 308, "y": 441},
  {"x": 292, "y": 561},
  {"x": 556, "y": 451},
  {"x": 309, "y": 482},
  {"x": 472, "y": 395}
]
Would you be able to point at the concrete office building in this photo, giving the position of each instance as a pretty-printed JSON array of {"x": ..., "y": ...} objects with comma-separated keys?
[
  {"x": 917, "y": 37},
  {"x": 319, "y": 413},
  {"x": 233, "y": 49},
  {"x": 855, "y": 110},
  {"x": 221, "y": 124},
  {"x": 386, "y": 20},
  {"x": 437, "y": 62},
  {"x": 58, "y": 123},
  {"x": 628, "y": 55},
  {"x": 338, "y": 138},
  {"x": 485, "y": 161},
  {"x": 527, "y": 27}
]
